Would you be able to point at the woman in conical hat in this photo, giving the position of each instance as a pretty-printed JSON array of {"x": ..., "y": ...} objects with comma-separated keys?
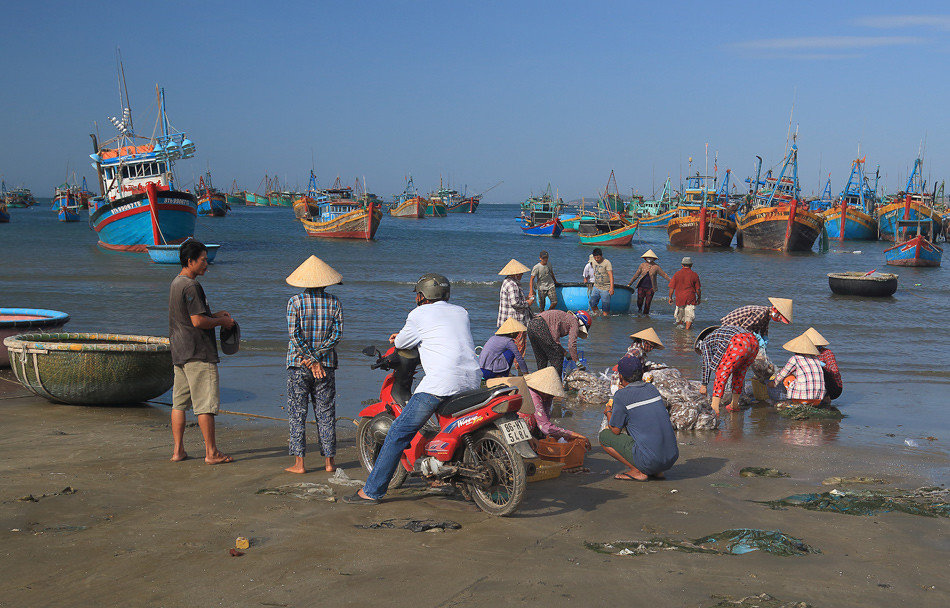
[
  {"x": 727, "y": 351},
  {"x": 648, "y": 269},
  {"x": 511, "y": 299},
  {"x": 803, "y": 374},
  {"x": 833, "y": 383},
  {"x": 315, "y": 325},
  {"x": 643, "y": 342},
  {"x": 544, "y": 385},
  {"x": 501, "y": 351},
  {"x": 756, "y": 318}
]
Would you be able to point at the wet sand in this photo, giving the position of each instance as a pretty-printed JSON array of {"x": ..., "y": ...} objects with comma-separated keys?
[{"x": 157, "y": 533}]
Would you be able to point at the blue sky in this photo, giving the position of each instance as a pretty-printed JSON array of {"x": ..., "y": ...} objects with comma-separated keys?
[{"x": 528, "y": 93}]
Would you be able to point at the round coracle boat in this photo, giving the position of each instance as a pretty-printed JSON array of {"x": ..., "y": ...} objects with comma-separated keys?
[
  {"x": 92, "y": 369},
  {"x": 868, "y": 285},
  {"x": 15, "y": 321}
]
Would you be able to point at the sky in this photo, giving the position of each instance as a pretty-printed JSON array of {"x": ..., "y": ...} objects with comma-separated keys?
[{"x": 524, "y": 93}]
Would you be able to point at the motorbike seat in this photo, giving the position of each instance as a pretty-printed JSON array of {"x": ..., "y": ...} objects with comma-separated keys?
[{"x": 469, "y": 401}]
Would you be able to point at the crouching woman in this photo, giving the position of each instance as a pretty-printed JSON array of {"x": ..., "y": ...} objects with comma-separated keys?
[{"x": 639, "y": 433}]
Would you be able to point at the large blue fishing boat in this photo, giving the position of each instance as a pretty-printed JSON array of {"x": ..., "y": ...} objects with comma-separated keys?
[
  {"x": 910, "y": 205},
  {"x": 852, "y": 217},
  {"x": 140, "y": 203}
]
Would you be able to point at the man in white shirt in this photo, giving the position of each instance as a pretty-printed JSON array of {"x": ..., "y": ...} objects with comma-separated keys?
[{"x": 443, "y": 336}]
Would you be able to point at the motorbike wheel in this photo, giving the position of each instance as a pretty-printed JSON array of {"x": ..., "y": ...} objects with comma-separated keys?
[
  {"x": 509, "y": 478},
  {"x": 368, "y": 448}
]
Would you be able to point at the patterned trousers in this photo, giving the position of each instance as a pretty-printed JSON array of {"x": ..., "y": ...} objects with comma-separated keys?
[
  {"x": 302, "y": 388},
  {"x": 735, "y": 361},
  {"x": 547, "y": 351}
]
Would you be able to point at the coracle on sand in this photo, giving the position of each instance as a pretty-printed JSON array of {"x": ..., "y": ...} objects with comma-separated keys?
[{"x": 92, "y": 369}]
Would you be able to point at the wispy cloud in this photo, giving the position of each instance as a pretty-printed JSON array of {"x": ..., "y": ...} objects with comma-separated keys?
[
  {"x": 937, "y": 22},
  {"x": 817, "y": 43}
]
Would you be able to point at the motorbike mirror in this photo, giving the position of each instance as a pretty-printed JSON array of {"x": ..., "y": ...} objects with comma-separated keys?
[{"x": 369, "y": 351}]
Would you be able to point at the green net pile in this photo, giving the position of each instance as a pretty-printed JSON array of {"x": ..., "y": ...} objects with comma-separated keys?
[
  {"x": 927, "y": 502},
  {"x": 728, "y": 542}
]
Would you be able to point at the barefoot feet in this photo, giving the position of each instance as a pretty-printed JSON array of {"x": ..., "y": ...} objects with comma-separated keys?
[
  {"x": 330, "y": 466},
  {"x": 179, "y": 456},
  {"x": 218, "y": 458}
]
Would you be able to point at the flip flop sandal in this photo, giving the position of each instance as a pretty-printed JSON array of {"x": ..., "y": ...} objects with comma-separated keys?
[
  {"x": 627, "y": 477},
  {"x": 356, "y": 499}
]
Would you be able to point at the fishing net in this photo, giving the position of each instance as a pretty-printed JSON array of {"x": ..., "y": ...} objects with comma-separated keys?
[
  {"x": 762, "y": 600},
  {"x": 761, "y": 472},
  {"x": 727, "y": 542},
  {"x": 926, "y": 502},
  {"x": 806, "y": 412}
]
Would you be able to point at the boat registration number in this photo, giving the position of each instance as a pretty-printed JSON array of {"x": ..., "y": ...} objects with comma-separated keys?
[{"x": 515, "y": 431}]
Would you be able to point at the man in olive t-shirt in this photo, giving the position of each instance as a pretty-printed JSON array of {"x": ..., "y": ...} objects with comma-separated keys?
[{"x": 194, "y": 353}]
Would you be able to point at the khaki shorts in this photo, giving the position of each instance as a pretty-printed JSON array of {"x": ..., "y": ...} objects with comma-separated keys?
[
  {"x": 685, "y": 314},
  {"x": 196, "y": 387}
]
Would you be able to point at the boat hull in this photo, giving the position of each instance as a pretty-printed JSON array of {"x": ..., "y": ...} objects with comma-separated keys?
[
  {"x": 685, "y": 231},
  {"x": 888, "y": 215},
  {"x": 657, "y": 221},
  {"x": 360, "y": 223},
  {"x": 236, "y": 199},
  {"x": 621, "y": 237},
  {"x": 435, "y": 210},
  {"x": 769, "y": 228},
  {"x": 574, "y": 296},
  {"x": 168, "y": 254},
  {"x": 874, "y": 285},
  {"x": 858, "y": 225},
  {"x": 550, "y": 229},
  {"x": 414, "y": 208},
  {"x": 66, "y": 214},
  {"x": 571, "y": 221},
  {"x": 214, "y": 205},
  {"x": 255, "y": 200},
  {"x": 4, "y": 216},
  {"x": 129, "y": 224},
  {"x": 15, "y": 321},
  {"x": 469, "y": 205},
  {"x": 917, "y": 251}
]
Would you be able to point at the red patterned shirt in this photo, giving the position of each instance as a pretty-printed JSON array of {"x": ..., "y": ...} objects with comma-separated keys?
[
  {"x": 831, "y": 364},
  {"x": 751, "y": 318}
]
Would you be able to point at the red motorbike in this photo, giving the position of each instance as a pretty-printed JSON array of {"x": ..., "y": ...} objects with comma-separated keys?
[{"x": 475, "y": 441}]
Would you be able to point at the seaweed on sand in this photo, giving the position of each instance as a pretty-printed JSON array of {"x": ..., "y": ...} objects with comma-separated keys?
[
  {"x": 728, "y": 542},
  {"x": 926, "y": 502}
]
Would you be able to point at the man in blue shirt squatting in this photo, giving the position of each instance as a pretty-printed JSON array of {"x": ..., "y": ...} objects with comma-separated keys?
[
  {"x": 443, "y": 336},
  {"x": 649, "y": 447}
]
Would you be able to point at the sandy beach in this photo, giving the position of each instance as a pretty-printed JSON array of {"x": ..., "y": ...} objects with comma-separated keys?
[{"x": 142, "y": 531}]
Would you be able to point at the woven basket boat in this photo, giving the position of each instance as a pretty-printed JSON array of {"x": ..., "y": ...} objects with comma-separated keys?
[
  {"x": 876, "y": 285},
  {"x": 92, "y": 369}
]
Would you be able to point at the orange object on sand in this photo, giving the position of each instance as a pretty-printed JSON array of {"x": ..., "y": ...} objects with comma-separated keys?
[{"x": 570, "y": 453}]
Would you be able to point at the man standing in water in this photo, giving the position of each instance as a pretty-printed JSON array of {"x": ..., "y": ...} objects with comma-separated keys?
[
  {"x": 648, "y": 269},
  {"x": 685, "y": 293},
  {"x": 543, "y": 282},
  {"x": 315, "y": 325},
  {"x": 443, "y": 336},
  {"x": 603, "y": 283},
  {"x": 194, "y": 352}
]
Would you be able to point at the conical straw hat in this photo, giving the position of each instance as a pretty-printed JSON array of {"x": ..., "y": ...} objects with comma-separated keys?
[
  {"x": 514, "y": 267},
  {"x": 511, "y": 326},
  {"x": 801, "y": 345},
  {"x": 784, "y": 306},
  {"x": 816, "y": 338},
  {"x": 546, "y": 381},
  {"x": 649, "y": 335},
  {"x": 650, "y": 254},
  {"x": 314, "y": 272}
]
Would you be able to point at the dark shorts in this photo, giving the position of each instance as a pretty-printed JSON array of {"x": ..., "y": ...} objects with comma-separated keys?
[{"x": 623, "y": 443}]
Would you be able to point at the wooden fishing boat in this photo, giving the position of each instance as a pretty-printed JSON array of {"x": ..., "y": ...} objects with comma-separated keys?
[
  {"x": 539, "y": 216},
  {"x": 546, "y": 202},
  {"x": 141, "y": 205},
  {"x": 852, "y": 216},
  {"x": 4, "y": 214},
  {"x": 211, "y": 201},
  {"x": 777, "y": 219},
  {"x": 66, "y": 204},
  {"x": 911, "y": 204},
  {"x": 169, "y": 254},
  {"x": 571, "y": 221},
  {"x": 914, "y": 246},
  {"x": 15, "y": 321},
  {"x": 255, "y": 200},
  {"x": 448, "y": 200},
  {"x": 613, "y": 230},
  {"x": 701, "y": 221},
  {"x": 550, "y": 228},
  {"x": 435, "y": 208},
  {"x": 409, "y": 204},
  {"x": 465, "y": 205},
  {"x": 611, "y": 201},
  {"x": 575, "y": 296},
  {"x": 92, "y": 369},
  {"x": 867, "y": 284},
  {"x": 654, "y": 213},
  {"x": 340, "y": 215}
]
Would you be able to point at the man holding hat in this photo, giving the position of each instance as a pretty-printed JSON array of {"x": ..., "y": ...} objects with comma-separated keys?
[
  {"x": 315, "y": 325},
  {"x": 756, "y": 318},
  {"x": 833, "y": 383},
  {"x": 500, "y": 352},
  {"x": 727, "y": 351},
  {"x": 649, "y": 446},
  {"x": 648, "y": 269},
  {"x": 194, "y": 352},
  {"x": 685, "y": 288},
  {"x": 511, "y": 300},
  {"x": 803, "y": 375}
]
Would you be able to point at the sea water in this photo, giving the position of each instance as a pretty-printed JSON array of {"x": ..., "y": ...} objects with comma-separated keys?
[{"x": 894, "y": 353}]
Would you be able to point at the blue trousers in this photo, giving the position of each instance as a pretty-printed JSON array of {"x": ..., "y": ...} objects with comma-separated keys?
[{"x": 420, "y": 408}]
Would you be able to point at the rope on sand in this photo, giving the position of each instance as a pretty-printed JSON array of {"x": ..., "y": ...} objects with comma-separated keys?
[{"x": 261, "y": 416}]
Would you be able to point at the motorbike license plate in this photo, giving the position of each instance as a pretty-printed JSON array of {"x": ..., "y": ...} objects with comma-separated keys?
[{"x": 515, "y": 431}]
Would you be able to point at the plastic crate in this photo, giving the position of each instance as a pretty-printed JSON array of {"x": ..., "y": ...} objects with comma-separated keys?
[
  {"x": 545, "y": 469},
  {"x": 570, "y": 453}
]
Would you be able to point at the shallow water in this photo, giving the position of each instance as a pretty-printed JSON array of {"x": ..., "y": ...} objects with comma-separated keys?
[{"x": 893, "y": 352}]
